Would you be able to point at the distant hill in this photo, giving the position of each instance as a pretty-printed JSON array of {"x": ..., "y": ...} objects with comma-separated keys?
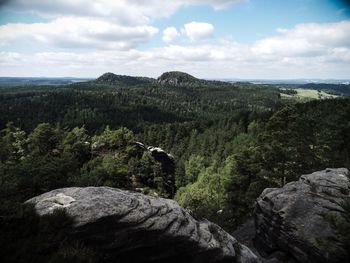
[
  {"x": 113, "y": 79},
  {"x": 173, "y": 78},
  {"x": 184, "y": 79},
  {"x": 177, "y": 78}
]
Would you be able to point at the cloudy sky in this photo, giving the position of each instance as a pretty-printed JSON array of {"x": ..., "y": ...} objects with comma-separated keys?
[{"x": 271, "y": 39}]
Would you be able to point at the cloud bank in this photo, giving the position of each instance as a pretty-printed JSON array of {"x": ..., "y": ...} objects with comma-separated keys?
[
  {"x": 122, "y": 11},
  {"x": 87, "y": 38}
]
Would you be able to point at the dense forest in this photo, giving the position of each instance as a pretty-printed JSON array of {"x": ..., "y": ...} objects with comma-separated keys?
[{"x": 229, "y": 141}]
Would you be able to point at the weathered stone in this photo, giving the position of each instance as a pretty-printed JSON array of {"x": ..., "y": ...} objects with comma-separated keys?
[
  {"x": 131, "y": 227},
  {"x": 293, "y": 218}
]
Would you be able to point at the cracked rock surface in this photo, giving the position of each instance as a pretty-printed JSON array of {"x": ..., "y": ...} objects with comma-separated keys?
[
  {"x": 292, "y": 219},
  {"x": 132, "y": 227}
]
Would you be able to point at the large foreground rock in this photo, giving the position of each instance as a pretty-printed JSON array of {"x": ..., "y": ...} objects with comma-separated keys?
[
  {"x": 293, "y": 219},
  {"x": 131, "y": 227}
]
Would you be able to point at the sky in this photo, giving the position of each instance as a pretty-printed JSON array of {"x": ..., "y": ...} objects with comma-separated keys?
[{"x": 233, "y": 39}]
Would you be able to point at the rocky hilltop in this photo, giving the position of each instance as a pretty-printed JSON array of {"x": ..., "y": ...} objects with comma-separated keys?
[
  {"x": 178, "y": 78},
  {"x": 131, "y": 227}
]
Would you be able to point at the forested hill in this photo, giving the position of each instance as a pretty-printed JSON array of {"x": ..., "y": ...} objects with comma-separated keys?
[
  {"x": 97, "y": 105},
  {"x": 172, "y": 78},
  {"x": 111, "y": 78}
]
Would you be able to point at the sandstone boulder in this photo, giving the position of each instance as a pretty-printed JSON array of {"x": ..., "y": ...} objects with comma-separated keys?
[
  {"x": 293, "y": 219},
  {"x": 126, "y": 226}
]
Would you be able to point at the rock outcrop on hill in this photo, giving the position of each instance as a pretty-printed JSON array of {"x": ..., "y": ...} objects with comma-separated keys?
[
  {"x": 168, "y": 167},
  {"x": 167, "y": 163},
  {"x": 178, "y": 78},
  {"x": 293, "y": 219},
  {"x": 130, "y": 227}
]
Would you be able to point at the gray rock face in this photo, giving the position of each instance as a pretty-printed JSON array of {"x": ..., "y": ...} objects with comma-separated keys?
[
  {"x": 131, "y": 227},
  {"x": 292, "y": 218}
]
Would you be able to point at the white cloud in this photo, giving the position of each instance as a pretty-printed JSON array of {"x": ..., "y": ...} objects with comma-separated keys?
[
  {"x": 77, "y": 33},
  {"x": 119, "y": 11},
  {"x": 224, "y": 59},
  {"x": 121, "y": 24},
  {"x": 305, "y": 40},
  {"x": 117, "y": 24},
  {"x": 202, "y": 61},
  {"x": 170, "y": 34},
  {"x": 198, "y": 30},
  {"x": 216, "y": 4},
  {"x": 130, "y": 12}
]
